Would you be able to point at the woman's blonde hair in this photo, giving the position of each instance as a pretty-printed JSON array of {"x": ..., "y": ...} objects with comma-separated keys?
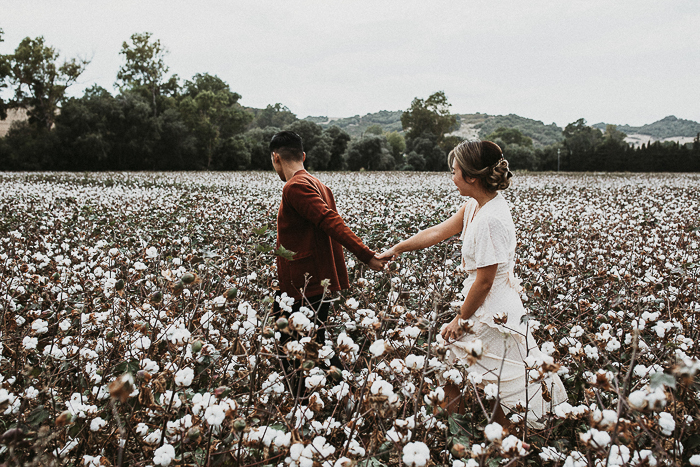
[{"x": 484, "y": 161}]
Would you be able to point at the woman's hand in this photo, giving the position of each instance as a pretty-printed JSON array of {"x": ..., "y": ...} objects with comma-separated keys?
[
  {"x": 390, "y": 255},
  {"x": 452, "y": 331}
]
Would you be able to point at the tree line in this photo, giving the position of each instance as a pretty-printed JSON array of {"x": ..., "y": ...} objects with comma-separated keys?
[{"x": 156, "y": 121}]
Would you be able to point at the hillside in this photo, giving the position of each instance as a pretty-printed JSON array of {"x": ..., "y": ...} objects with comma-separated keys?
[
  {"x": 355, "y": 126},
  {"x": 472, "y": 126},
  {"x": 668, "y": 127},
  {"x": 541, "y": 134}
]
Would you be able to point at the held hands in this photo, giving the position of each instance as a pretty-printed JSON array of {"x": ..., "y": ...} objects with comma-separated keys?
[
  {"x": 377, "y": 263},
  {"x": 390, "y": 255}
]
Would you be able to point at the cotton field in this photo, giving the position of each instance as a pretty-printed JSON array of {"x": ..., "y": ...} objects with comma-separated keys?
[{"x": 136, "y": 328}]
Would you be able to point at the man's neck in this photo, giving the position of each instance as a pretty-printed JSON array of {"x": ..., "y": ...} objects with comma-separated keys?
[{"x": 291, "y": 168}]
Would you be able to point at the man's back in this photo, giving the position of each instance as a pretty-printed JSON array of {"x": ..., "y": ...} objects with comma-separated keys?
[{"x": 308, "y": 224}]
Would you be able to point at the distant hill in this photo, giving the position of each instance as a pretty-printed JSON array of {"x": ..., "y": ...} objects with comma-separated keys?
[
  {"x": 668, "y": 127},
  {"x": 355, "y": 126},
  {"x": 541, "y": 134},
  {"x": 472, "y": 126}
]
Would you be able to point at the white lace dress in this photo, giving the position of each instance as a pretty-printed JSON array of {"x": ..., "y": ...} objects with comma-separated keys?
[{"x": 489, "y": 238}]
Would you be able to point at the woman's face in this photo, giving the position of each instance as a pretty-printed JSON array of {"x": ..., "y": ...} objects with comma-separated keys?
[{"x": 462, "y": 185}]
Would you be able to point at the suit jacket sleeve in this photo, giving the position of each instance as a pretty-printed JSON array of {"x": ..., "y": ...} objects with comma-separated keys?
[{"x": 307, "y": 201}]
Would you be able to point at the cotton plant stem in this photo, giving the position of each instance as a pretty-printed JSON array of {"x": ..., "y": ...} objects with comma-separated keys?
[
  {"x": 122, "y": 432},
  {"x": 498, "y": 383},
  {"x": 354, "y": 418},
  {"x": 431, "y": 329}
]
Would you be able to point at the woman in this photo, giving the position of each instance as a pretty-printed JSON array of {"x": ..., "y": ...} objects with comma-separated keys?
[{"x": 490, "y": 290}]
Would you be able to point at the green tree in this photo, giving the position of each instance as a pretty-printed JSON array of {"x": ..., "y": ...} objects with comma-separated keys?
[
  {"x": 38, "y": 82},
  {"x": 414, "y": 161},
  {"x": 277, "y": 116},
  {"x": 258, "y": 143},
  {"x": 4, "y": 73},
  {"x": 434, "y": 156},
  {"x": 581, "y": 142},
  {"x": 397, "y": 144},
  {"x": 613, "y": 135},
  {"x": 375, "y": 129},
  {"x": 145, "y": 69},
  {"x": 310, "y": 133},
  {"x": 431, "y": 115},
  {"x": 320, "y": 155},
  {"x": 339, "y": 146},
  {"x": 234, "y": 154},
  {"x": 211, "y": 112},
  {"x": 510, "y": 136},
  {"x": 370, "y": 153}
]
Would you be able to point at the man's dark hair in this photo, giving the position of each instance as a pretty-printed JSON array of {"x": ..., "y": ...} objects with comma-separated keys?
[{"x": 288, "y": 145}]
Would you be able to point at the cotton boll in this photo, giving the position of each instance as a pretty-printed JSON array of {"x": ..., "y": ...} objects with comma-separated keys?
[
  {"x": 637, "y": 399},
  {"x": 493, "y": 432},
  {"x": 164, "y": 455},
  {"x": 316, "y": 378},
  {"x": 550, "y": 454},
  {"x": 548, "y": 348},
  {"x": 141, "y": 429},
  {"x": 453, "y": 376},
  {"x": 416, "y": 454},
  {"x": 378, "y": 348},
  {"x": 474, "y": 377},
  {"x": 595, "y": 438},
  {"x": 513, "y": 446},
  {"x": 184, "y": 377},
  {"x": 40, "y": 326},
  {"x": 29, "y": 343},
  {"x": 415, "y": 362},
  {"x": 215, "y": 415},
  {"x": 491, "y": 391},
  {"x": 666, "y": 423},
  {"x": 97, "y": 424}
]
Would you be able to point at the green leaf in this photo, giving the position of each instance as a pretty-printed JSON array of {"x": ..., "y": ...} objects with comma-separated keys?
[
  {"x": 692, "y": 443},
  {"x": 385, "y": 450},
  {"x": 658, "y": 380},
  {"x": 37, "y": 416},
  {"x": 263, "y": 248},
  {"x": 458, "y": 426},
  {"x": 261, "y": 230},
  {"x": 285, "y": 253},
  {"x": 127, "y": 367},
  {"x": 75, "y": 429}
]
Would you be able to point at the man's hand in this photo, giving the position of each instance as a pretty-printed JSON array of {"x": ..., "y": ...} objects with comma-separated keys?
[{"x": 377, "y": 264}]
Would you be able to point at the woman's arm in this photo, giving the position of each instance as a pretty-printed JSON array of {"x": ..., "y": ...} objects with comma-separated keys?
[
  {"x": 428, "y": 237},
  {"x": 475, "y": 298}
]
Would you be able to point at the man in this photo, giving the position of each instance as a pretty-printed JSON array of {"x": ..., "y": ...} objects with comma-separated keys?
[{"x": 308, "y": 224}]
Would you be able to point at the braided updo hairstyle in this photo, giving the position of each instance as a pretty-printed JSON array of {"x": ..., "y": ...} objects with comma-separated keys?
[{"x": 484, "y": 161}]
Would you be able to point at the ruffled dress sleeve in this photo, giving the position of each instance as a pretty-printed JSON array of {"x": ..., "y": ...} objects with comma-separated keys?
[{"x": 492, "y": 242}]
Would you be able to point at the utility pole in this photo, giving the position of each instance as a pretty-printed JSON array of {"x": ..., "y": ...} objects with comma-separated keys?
[{"x": 558, "y": 159}]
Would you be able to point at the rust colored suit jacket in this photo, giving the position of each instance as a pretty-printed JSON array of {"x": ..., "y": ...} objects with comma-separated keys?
[{"x": 308, "y": 223}]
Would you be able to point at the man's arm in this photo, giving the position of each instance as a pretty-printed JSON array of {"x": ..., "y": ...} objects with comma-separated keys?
[{"x": 307, "y": 201}]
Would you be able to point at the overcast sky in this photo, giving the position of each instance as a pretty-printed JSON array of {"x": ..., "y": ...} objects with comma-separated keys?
[{"x": 624, "y": 61}]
